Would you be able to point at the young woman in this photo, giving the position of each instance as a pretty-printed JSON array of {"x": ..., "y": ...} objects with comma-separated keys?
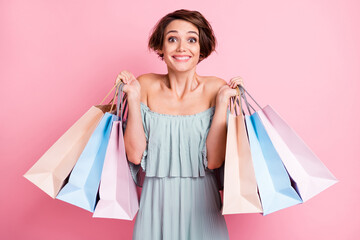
[{"x": 176, "y": 134}]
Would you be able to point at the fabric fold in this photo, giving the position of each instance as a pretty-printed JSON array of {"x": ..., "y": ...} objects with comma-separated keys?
[
  {"x": 176, "y": 155},
  {"x": 180, "y": 197},
  {"x": 173, "y": 155}
]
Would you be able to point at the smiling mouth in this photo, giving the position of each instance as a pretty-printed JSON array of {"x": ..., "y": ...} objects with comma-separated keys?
[{"x": 182, "y": 59}]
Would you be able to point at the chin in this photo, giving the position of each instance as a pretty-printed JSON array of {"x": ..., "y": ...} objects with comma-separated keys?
[
  {"x": 183, "y": 69},
  {"x": 178, "y": 68}
]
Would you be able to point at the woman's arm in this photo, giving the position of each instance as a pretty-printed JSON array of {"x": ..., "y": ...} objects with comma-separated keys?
[
  {"x": 134, "y": 135},
  {"x": 216, "y": 139}
]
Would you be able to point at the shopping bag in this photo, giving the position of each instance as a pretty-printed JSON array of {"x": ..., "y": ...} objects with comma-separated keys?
[
  {"x": 309, "y": 174},
  {"x": 275, "y": 189},
  {"x": 51, "y": 171},
  {"x": 118, "y": 196},
  {"x": 240, "y": 193},
  {"x": 82, "y": 187}
]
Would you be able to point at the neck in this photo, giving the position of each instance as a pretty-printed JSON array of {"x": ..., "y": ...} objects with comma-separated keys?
[{"x": 182, "y": 83}]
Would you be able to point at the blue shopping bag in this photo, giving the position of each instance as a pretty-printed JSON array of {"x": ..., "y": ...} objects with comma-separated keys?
[
  {"x": 82, "y": 187},
  {"x": 274, "y": 184}
]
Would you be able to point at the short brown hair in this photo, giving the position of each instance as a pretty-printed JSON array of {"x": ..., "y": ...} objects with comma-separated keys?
[{"x": 207, "y": 38}]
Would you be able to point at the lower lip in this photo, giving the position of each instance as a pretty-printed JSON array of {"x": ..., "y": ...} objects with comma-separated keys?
[{"x": 182, "y": 60}]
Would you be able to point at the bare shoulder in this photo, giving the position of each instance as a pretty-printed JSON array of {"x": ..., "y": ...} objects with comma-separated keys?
[
  {"x": 146, "y": 78},
  {"x": 214, "y": 83},
  {"x": 212, "y": 87},
  {"x": 146, "y": 82}
]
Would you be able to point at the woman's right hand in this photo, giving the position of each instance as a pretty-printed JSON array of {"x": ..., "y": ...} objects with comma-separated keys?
[{"x": 132, "y": 86}]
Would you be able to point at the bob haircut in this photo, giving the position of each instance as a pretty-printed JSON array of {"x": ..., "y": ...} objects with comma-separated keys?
[{"x": 207, "y": 38}]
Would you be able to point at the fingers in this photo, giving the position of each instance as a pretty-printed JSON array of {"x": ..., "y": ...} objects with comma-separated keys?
[
  {"x": 125, "y": 77},
  {"x": 227, "y": 88},
  {"x": 125, "y": 90},
  {"x": 228, "y": 91},
  {"x": 118, "y": 79},
  {"x": 234, "y": 82},
  {"x": 233, "y": 93}
]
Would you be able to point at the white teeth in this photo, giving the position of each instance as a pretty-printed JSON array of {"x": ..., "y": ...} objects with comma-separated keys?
[{"x": 182, "y": 58}]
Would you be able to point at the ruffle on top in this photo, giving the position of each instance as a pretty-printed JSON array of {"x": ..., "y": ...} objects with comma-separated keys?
[{"x": 176, "y": 145}]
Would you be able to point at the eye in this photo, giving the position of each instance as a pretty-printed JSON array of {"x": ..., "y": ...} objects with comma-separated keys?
[
  {"x": 170, "y": 39},
  {"x": 193, "y": 40}
]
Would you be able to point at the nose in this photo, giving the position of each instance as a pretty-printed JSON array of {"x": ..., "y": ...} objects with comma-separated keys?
[{"x": 181, "y": 47}]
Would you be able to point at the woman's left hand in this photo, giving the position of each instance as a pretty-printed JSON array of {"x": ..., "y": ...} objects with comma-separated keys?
[
  {"x": 235, "y": 81},
  {"x": 228, "y": 90}
]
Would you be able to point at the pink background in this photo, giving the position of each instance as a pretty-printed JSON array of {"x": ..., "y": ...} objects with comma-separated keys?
[{"x": 58, "y": 58}]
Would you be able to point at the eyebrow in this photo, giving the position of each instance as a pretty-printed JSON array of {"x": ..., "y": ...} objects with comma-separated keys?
[{"x": 177, "y": 31}]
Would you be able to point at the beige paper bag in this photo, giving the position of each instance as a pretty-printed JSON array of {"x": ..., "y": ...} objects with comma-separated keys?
[
  {"x": 50, "y": 172},
  {"x": 240, "y": 187}
]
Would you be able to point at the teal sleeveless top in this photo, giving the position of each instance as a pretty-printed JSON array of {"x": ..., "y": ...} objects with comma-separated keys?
[
  {"x": 176, "y": 146},
  {"x": 180, "y": 197}
]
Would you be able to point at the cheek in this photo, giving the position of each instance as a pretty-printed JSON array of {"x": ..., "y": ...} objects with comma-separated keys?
[
  {"x": 195, "y": 49},
  {"x": 169, "y": 50}
]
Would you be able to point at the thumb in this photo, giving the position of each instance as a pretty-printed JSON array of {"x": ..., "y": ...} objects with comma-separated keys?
[
  {"x": 233, "y": 92},
  {"x": 125, "y": 88}
]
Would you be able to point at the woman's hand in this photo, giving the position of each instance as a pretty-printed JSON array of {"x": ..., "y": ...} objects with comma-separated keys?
[
  {"x": 236, "y": 81},
  {"x": 132, "y": 86},
  {"x": 229, "y": 90}
]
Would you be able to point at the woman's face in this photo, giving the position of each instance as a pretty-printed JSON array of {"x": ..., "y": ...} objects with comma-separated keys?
[{"x": 181, "y": 46}]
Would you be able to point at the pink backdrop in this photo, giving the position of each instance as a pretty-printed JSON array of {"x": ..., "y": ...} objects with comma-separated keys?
[{"x": 58, "y": 58}]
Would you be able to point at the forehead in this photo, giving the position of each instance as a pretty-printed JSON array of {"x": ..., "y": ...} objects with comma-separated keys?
[{"x": 181, "y": 26}]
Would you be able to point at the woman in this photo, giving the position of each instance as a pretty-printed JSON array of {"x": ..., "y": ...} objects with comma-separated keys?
[{"x": 176, "y": 134}]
